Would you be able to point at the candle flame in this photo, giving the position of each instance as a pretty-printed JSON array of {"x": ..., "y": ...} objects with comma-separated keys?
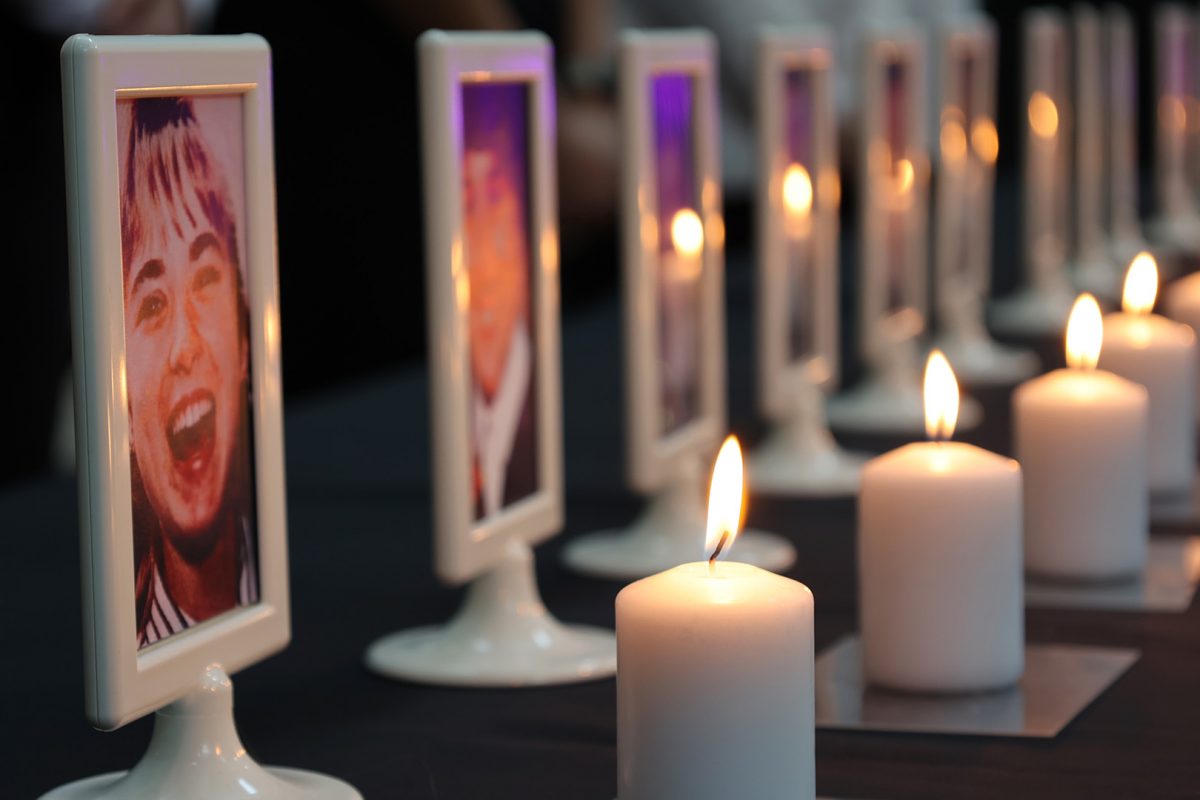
[
  {"x": 687, "y": 232},
  {"x": 725, "y": 498},
  {"x": 1085, "y": 333},
  {"x": 1141, "y": 284},
  {"x": 985, "y": 140},
  {"x": 941, "y": 397},
  {"x": 797, "y": 190},
  {"x": 1043, "y": 115}
]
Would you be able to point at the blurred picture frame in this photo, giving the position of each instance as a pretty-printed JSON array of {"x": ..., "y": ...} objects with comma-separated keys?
[
  {"x": 799, "y": 194},
  {"x": 893, "y": 192},
  {"x": 470, "y": 83},
  {"x": 172, "y": 83},
  {"x": 668, "y": 99}
]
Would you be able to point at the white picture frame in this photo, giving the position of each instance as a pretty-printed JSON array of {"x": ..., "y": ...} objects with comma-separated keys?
[
  {"x": 465, "y": 547},
  {"x": 123, "y": 682},
  {"x": 1121, "y": 79},
  {"x": 967, "y": 147},
  {"x": 804, "y": 56},
  {"x": 654, "y": 460},
  {"x": 893, "y": 308}
]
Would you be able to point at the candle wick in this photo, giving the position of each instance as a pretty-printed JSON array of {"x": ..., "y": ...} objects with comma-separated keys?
[{"x": 712, "y": 560}]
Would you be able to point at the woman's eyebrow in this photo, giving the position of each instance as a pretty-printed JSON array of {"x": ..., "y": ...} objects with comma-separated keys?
[
  {"x": 150, "y": 270},
  {"x": 201, "y": 243}
]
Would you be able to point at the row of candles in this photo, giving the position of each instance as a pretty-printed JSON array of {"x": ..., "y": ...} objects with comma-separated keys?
[{"x": 715, "y": 659}]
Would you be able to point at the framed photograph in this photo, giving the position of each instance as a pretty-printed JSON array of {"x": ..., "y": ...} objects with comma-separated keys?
[
  {"x": 893, "y": 190},
  {"x": 967, "y": 147},
  {"x": 487, "y": 104},
  {"x": 171, "y": 206},
  {"x": 673, "y": 252},
  {"x": 1121, "y": 126},
  {"x": 1047, "y": 163},
  {"x": 799, "y": 192},
  {"x": 1175, "y": 76}
]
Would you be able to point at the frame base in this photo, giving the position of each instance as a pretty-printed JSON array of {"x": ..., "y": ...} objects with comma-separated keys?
[
  {"x": 503, "y": 636},
  {"x": 980, "y": 361},
  {"x": 1099, "y": 275},
  {"x": 1167, "y": 583},
  {"x": 804, "y": 461},
  {"x": 1032, "y": 312},
  {"x": 1059, "y": 681},
  {"x": 1176, "y": 509},
  {"x": 669, "y": 532},
  {"x": 195, "y": 754},
  {"x": 1179, "y": 233},
  {"x": 881, "y": 406}
]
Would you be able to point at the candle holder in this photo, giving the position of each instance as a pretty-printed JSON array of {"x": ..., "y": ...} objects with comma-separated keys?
[
  {"x": 502, "y": 636},
  {"x": 1044, "y": 300},
  {"x": 665, "y": 535},
  {"x": 966, "y": 179},
  {"x": 1058, "y": 682},
  {"x": 195, "y": 754},
  {"x": 796, "y": 292},
  {"x": 1167, "y": 582}
]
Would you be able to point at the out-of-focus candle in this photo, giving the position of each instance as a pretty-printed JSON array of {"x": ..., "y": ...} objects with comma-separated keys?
[
  {"x": 940, "y": 584},
  {"x": 1182, "y": 303},
  {"x": 715, "y": 673},
  {"x": 1081, "y": 438},
  {"x": 1161, "y": 355}
]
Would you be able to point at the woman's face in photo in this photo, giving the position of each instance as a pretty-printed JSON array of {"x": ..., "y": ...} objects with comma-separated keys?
[
  {"x": 186, "y": 363},
  {"x": 497, "y": 263}
]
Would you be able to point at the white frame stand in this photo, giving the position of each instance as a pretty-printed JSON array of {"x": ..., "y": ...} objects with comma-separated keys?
[
  {"x": 890, "y": 399},
  {"x": 503, "y": 636},
  {"x": 977, "y": 358},
  {"x": 670, "y": 532},
  {"x": 195, "y": 754},
  {"x": 1034, "y": 310},
  {"x": 800, "y": 457}
]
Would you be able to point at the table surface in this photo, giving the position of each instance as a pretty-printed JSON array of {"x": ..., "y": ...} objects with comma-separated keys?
[{"x": 358, "y": 482}]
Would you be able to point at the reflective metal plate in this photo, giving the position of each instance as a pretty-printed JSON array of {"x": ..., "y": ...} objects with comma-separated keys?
[
  {"x": 1167, "y": 584},
  {"x": 1060, "y": 680}
]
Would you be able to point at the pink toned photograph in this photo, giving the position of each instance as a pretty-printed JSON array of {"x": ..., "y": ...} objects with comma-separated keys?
[{"x": 182, "y": 189}]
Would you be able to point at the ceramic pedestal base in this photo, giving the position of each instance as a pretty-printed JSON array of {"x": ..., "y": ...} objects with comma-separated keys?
[
  {"x": 503, "y": 636},
  {"x": 802, "y": 460},
  {"x": 668, "y": 533},
  {"x": 980, "y": 361},
  {"x": 878, "y": 405},
  {"x": 1100, "y": 276},
  {"x": 195, "y": 754},
  {"x": 1033, "y": 312},
  {"x": 1179, "y": 509},
  {"x": 1059, "y": 682}
]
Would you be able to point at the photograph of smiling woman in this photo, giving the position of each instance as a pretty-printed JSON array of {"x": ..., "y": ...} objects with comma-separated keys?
[{"x": 187, "y": 347}]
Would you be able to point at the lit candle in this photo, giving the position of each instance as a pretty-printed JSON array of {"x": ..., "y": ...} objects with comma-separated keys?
[
  {"x": 1182, "y": 303},
  {"x": 1161, "y": 355},
  {"x": 939, "y": 548},
  {"x": 1081, "y": 437},
  {"x": 715, "y": 673}
]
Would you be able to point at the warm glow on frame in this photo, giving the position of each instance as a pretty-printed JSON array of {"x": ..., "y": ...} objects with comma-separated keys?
[
  {"x": 725, "y": 498},
  {"x": 1085, "y": 333},
  {"x": 797, "y": 190},
  {"x": 687, "y": 233},
  {"x": 953, "y": 138},
  {"x": 905, "y": 176},
  {"x": 941, "y": 398},
  {"x": 985, "y": 140},
  {"x": 1043, "y": 115},
  {"x": 1141, "y": 285}
]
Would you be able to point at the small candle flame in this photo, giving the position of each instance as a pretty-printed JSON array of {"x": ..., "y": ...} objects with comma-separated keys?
[
  {"x": 941, "y": 398},
  {"x": 1043, "y": 115},
  {"x": 1085, "y": 333},
  {"x": 797, "y": 190},
  {"x": 724, "y": 499},
  {"x": 985, "y": 140},
  {"x": 687, "y": 233},
  {"x": 1141, "y": 284}
]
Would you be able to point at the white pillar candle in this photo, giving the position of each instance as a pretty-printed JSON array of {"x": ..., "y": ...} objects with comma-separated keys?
[
  {"x": 1182, "y": 303},
  {"x": 939, "y": 549},
  {"x": 715, "y": 675},
  {"x": 1161, "y": 355},
  {"x": 1081, "y": 437}
]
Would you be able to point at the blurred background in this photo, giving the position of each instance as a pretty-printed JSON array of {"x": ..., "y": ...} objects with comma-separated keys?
[{"x": 348, "y": 164}]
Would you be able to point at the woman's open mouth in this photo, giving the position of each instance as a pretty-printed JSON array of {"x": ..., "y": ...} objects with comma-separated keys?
[{"x": 191, "y": 431}]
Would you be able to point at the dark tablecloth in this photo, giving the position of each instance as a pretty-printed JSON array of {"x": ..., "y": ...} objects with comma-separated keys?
[{"x": 358, "y": 499}]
